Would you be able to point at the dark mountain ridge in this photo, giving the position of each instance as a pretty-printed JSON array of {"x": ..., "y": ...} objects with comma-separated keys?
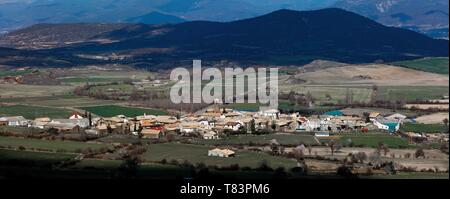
[
  {"x": 330, "y": 33},
  {"x": 281, "y": 37}
]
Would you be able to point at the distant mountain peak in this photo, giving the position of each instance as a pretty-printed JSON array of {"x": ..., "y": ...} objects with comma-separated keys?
[{"x": 156, "y": 18}]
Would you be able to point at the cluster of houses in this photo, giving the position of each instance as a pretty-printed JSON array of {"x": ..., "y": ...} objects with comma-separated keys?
[
  {"x": 219, "y": 121},
  {"x": 213, "y": 122}
]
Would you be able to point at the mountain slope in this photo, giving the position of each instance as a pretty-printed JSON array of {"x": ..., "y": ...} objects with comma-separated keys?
[
  {"x": 281, "y": 37},
  {"x": 330, "y": 33},
  {"x": 55, "y": 35},
  {"x": 426, "y": 16}
]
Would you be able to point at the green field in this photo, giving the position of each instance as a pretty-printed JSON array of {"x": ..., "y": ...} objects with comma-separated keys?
[
  {"x": 24, "y": 91},
  {"x": 32, "y": 112},
  {"x": 424, "y": 128},
  {"x": 62, "y": 146},
  {"x": 411, "y": 93},
  {"x": 432, "y": 64},
  {"x": 5, "y": 73},
  {"x": 36, "y": 158},
  {"x": 374, "y": 139},
  {"x": 112, "y": 88},
  {"x": 78, "y": 80},
  {"x": 59, "y": 101},
  {"x": 199, "y": 154},
  {"x": 113, "y": 110},
  {"x": 20, "y": 130},
  {"x": 283, "y": 139},
  {"x": 282, "y": 105},
  {"x": 361, "y": 93}
]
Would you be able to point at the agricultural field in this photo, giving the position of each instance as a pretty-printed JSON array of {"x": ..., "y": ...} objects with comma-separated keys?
[
  {"x": 114, "y": 110},
  {"x": 23, "y": 131},
  {"x": 370, "y": 74},
  {"x": 427, "y": 106},
  {"x": 32, "y": 112},
  {"x": 373, "y": 140},
  {"x": 5, "y": 73},
  {"x": 286, "y": 106},
  {"x": 410, "y": 176},
  {"x": 199, "y": 154},
  {"x": 382, "y": 111},
  {"x": 411, "y": 93},
  {"x": 424, "y": 128},
  {"x": 283, "y": 139},
  {"x": 83, "y": 80},
  {"x": 58, "y": 101},
  {"x": 435, "y": 118},
  {"x": 21, "y": 90},
  {"x": 430, "y": 64},
  {"x": 361, "y": 93},
  {"x": 34, "y": 158},
  {"x": 124, "y": 88},
  {"x": 59, "y": 146}
]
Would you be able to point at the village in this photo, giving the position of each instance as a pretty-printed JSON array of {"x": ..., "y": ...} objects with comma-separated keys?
[{"x": 217, "y": 123}]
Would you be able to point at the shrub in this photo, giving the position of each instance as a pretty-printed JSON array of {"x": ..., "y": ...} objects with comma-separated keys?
[
  {"x": 344, "y": 171},
  {"x": 420, "y": 153},
  {"x": 408, "y": 155},
  {"x": 174, "y": 162}
]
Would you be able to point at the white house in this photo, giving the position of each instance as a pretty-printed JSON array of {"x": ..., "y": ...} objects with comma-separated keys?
[
  {"x": 234, "y": 126},
  {"x": 16, "y": 121},
  {"x": 397, "y": 116},
  {"x": 380, "y": 125},
  {"x": 272, "y": 113},
  {"x": 388, "y": 125},
  {"x": 224, "y": 153},
  {"x": 41, "y": 122},
  {"x": 82, "y": 123},
  {"x": 207, "y": 124},
  {"x": 211, "y": 135},
  {"x": 188, "y": 127}
]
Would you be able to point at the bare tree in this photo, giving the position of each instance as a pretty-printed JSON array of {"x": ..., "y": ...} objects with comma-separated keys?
[
  {"x": 383, "y": 147},
  {"x": 361, "y": 157},
  {"x": 445, "y": 121},
  {"x": 332, "y": 146}
]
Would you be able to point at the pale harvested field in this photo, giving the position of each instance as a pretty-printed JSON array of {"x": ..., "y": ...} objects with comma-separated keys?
[
  {"x": 428, "y": 106},
  {"x": 435, "y": 118},
  {"x": 434, "y": 158},
  {"x": 323, "y": 166},
  {"x": 384, "y": 75},
  {"x": 18, "y": 90},
  {"x": 58, "y": 101}
]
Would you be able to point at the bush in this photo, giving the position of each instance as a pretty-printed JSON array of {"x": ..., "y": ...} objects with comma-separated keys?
[
  {"x": 420, "y": 153},
  {"x": 408, "y": 155},
  {"x": 264, "y": 166},
  {"x": 280, "y": 173},
  {"x": 234, "y": 167},
  {"x": 345, "y": 171},
  {"x": 174, "y": 162}
]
